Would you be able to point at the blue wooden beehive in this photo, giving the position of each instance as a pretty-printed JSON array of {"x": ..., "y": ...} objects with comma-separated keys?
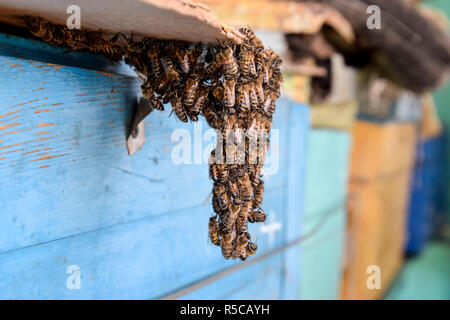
[
  {"x": 426, "y": 194},
  {"x": 324, "y": 219},
  {"x": 135, "y": 227}
]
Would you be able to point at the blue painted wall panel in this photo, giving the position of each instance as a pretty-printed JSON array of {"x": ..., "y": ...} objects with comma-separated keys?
[{"x": 71, "y": 195}]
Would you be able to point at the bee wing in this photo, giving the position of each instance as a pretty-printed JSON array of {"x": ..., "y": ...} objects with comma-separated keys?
[
  {"x": 265, "y": 175},
  {"x": 207, "y": 199}
]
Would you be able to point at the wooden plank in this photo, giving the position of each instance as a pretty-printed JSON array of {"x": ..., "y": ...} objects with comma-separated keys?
[
  {"x": 391, "y": 148},
  {"x": 262, "y": 281},
  {"x": 37, "y": 50},
  {"x": 142, "y": 259},
  {"x": 285, "y": 16},
  {"x": 65, "y": 144},
  {"x": 338, "y": 116},
  {"x": 376, "y": 232},
  {"x": 132, "y": 224},
  {"x": 297, "y": 86},
  {"x": 154, "y": 18}
]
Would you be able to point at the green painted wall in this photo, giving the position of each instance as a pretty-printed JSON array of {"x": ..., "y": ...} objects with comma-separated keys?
[{"x": 443, "y": 5}]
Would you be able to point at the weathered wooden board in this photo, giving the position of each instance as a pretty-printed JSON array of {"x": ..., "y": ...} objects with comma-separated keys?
[
  {"x": 391, "y": 149},
  {"x": 71, "y": 195},
  {"x": 168, "y": 19},
  {"x": 259, "y": 281},
  {"x": 279, "y": 15},
  {"x": 376, "y": 231},
  {"x": 142, "y": 259}
]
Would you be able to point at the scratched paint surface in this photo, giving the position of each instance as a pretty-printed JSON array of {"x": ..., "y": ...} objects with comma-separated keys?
[{"x": 70, "y": 194}]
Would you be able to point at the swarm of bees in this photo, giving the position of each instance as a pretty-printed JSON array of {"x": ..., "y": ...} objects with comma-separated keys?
[{"x": 234, "y": 86}]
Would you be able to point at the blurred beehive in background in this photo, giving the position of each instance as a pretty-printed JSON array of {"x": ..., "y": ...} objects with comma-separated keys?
[
  {"x": 327, "y": 168},
  {"x": 426, "y": 203},
  {"x": 381, "y": 162}
]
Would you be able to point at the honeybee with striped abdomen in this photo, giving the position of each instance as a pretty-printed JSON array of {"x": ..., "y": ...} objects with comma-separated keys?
[
  {"x": 251, "y": 248},
  {"x": 213, "y": 229},
  {"x": 257, "y": 215},
  {"x": 228, "y": 220},
  {"x": 227, "y": 245},
  {"x": 229, "y": 97},
  {"x": 240, "y": 245},
  {"x": 178, "y": 109}
]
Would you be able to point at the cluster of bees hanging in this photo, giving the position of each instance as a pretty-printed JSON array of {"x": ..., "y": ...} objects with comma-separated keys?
[{"x": 234, "y": 86}]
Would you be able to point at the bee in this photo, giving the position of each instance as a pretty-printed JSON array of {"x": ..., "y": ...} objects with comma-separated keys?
[
  {"x": 253, "y": 40},
  {"x": 229, "y": 63},
  {"x": 189, "y": 92},
  {"x": 177, "y": 107},
  {"x": 260, "y": 61},
  {"x": 218, "y": 173},
  {"x": 181, "y": 54},
  {"x": 214, "y": 65},
  {"x": 269, "y": 104},
  {"x": 242, "y": 219},
  {"x": 229, "y": 219},
  {"x": 224, "y": 59},
  {"x": 229, "y": 97},
  {"x": 162, "y": 84},
  {"x": 245, "y": 187},
  {"x": 251, "y": 248},
  {"x": 227, "y": 245},
  {"x": 169, "y": 69},
  {"x": 213, "y": 229},
  {"x": 259, "y": 89},
  {"x": 34, "y": 25},
  {"x": 221, "y": 193},
  {"x": 219, "y": 189},
  {"x": 98, "y": 45},
  {"x": 240, "y": 244},
  {"x": 246, "y": 58},
  {"x": 148, "y": 92},
  {"x": 210, "y": 116},
  {"x": 214, "y": 172},
  {"x": 257, "y": 215},
  {"x": 40, "y": 28},
  {"x": 234, "y": 189},
  {"x": 243, "y": 101},
  {"x": 201, "y": 98},
  {"x": 223, "y": 173},
  {"x": 195, "y": 53},
  {"x": 253, "y": 97},
  {"x": 153, "y": 55},
  {"x": 216, "y": 205},
  {"x": 156, "y": 103},
  {"x": 258, "y": 194},
  {"x": 240, "y": 172}
]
